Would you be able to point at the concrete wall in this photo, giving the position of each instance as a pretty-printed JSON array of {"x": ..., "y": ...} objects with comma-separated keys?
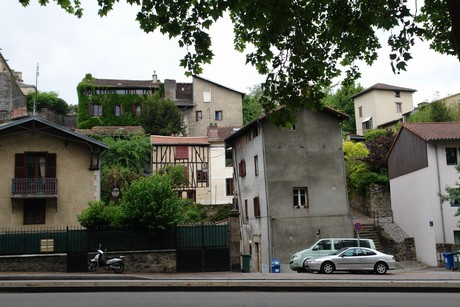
[
  {"x": 12, "y": 100},
  {"x": 163, "y": 261}
]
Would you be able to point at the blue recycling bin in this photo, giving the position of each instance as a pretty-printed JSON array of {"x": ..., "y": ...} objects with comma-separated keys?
[
  {"x": 448, "y": 260},
  {"x": 276, "y": 266}
]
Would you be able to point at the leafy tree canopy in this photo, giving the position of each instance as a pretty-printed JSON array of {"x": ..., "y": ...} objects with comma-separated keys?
[
  {"x": 48, "y": 100},
  {"x": 252, "y": 107},
  {"x": 341, "y": 101},
  {"x": 161, "y": 116},
  {"x": 300, "y": 46},
  {"x": 437, "y": 111}
]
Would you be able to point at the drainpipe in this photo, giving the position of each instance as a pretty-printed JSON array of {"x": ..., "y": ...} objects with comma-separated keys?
[{"x": 439, "y": 193}]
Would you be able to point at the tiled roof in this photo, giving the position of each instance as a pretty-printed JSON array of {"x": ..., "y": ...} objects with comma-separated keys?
[
  {"x": 384, "y": 87},
  {"x": 178, "y": 140},
  {"x": 124, "y": 83},
  {"x": 435, "y": 131},
  {"x": 111, "y": 130}
]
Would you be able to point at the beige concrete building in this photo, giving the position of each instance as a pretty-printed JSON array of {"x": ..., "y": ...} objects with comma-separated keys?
[
  {"x": 50, "y": 173},
  {"x": 381, "y": 106}
]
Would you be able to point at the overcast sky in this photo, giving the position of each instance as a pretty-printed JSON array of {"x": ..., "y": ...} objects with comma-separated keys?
[{"x": 66, "y": 48}]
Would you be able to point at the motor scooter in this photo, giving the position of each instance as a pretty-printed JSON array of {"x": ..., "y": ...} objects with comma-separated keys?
[{"x": 101, "y": 260}]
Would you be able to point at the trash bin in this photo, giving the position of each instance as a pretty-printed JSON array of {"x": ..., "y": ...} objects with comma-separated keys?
[
  {"x": 276, "y": 266},
  {"x": 246, "y": 261},
  {"x": 448, "y": 260}
]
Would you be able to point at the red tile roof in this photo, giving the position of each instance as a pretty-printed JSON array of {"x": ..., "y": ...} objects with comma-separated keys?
[
  {"x": 435, "y": 131},
  {"x": 178, "y": 140}
]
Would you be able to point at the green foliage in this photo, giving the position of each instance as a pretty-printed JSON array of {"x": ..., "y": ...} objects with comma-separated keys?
[
  {"x": 299, "y": 58},
  {"x": 378, "y": 142},
  {"x": 48, "y": 100},
  {"x": 161, "y": 116},
  {"x": 452, "y": 195},
  {"x": 176, "y": 173},
  {"x": 131, "y": 151},
  {"x": 100, "y": 215},
  {"x": 341, "y": 101},
  {"x": 437, "y": 111},
  {"x": 252, "y": 108},
  {"x": 150, "y": 203},
  {"x": 361, "y": 177}
]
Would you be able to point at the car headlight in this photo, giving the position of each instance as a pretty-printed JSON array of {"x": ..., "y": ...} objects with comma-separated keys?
[{"x": 296, "y": 256}]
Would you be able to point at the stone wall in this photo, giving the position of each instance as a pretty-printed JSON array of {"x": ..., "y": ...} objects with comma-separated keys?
[{"x": 163, "y": 261}]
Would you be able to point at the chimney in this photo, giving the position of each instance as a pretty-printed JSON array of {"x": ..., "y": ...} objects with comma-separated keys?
[
  {"x": 213, "y": 131},
  {"x": 170, "y": 89}
]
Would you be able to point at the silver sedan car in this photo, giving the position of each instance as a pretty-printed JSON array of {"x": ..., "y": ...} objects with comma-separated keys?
[{"x": 352, "y": 259}]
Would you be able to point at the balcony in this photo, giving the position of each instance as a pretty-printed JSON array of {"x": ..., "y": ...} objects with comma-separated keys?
[{"x": 34, "y": 188}]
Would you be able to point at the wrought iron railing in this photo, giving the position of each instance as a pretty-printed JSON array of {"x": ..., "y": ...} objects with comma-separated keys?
[{"x": 33, "y": 186}]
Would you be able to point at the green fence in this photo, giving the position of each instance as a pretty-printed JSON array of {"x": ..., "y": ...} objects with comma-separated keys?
[{"x": 42, "y": 240}]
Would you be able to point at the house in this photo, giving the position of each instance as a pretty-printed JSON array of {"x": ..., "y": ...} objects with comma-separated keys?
[
  {"x": 421, "y": 163},
  {"x": 290, "y": 186},
  {"x": 50, "y": 173},
  {"x": 209, "y": 173},
  {"x": 209, "y": 103},
  {"x": 13, "y": 102},
  {"x": 118, "y": 102},
  {"x": 381, "y": 106}
]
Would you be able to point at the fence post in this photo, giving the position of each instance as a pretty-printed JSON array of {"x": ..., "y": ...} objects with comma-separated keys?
[{"x": 234, "y": 240}]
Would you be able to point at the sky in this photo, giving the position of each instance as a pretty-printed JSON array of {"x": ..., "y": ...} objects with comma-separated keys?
[{"x": 114, "y": 47}]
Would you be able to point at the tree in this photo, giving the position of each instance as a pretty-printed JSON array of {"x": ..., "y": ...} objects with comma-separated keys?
[
  {"x": 161, "y": 116},
  {"x": 150, "y": 203},
  {"x": 252, "y": 107},
  {"x": 378, "y": 142},
  {"x": 48, "y": 100},
  {"x": 437, "y": 111},
  {"x": 341, "y": 101},
  {"x": 300, "y": 46}
]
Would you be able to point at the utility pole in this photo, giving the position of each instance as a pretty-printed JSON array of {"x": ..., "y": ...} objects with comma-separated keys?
[{"x": 36, "y": 91}]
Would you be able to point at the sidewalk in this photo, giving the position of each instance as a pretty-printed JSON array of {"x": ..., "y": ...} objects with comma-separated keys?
[{"x": 409, "y": 277}]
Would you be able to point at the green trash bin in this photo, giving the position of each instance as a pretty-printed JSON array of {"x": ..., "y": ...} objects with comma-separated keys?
[{"x": 246, "y": 261}]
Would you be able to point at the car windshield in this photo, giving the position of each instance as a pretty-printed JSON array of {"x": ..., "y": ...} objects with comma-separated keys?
[{"x": 340, "y": 250}]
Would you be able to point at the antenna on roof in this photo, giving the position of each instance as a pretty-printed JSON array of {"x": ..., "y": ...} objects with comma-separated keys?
[{"x": 36, "y": 91}]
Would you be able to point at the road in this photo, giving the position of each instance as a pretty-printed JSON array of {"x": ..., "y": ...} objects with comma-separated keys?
[{"x": 204, "y": 299}]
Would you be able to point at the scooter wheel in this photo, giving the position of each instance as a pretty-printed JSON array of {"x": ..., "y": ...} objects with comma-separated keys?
[
  {"x": 118, "y": 267},
  {"x": 91, "y": 266}
]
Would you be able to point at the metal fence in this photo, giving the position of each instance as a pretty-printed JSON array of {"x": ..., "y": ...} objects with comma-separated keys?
[{"x": 43, "y": 240}]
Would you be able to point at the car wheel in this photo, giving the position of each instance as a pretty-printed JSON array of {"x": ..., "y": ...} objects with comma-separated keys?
[
  {"x": 327, "y": 268},
  {"x": 380, "y": 268},
  {"x": 305, "y": 270}
]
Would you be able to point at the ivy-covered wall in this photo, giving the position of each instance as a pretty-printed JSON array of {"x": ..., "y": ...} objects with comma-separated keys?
[{"x": 88, "y": 96}]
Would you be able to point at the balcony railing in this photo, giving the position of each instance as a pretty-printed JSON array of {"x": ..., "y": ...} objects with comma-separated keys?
[{"x": 34, "y": 187}]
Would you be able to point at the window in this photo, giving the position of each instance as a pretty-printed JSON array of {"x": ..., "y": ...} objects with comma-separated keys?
[
  {"x": 118, "y": 110},
  {"x": 218, "y": 115},
  {"x": 206, "y": 96},
  {"x": 256, "y": 207},
  {"x": 397, "y": 94},
  {"x": 300, "y": 198},
  {"x": 367, "y": 123},
  {"x": 242, "y": 168},
  {"x": 198, "y": 115},
  {"x": 456, "y": 237},
  {"x": 35, "y": 165},
  {"x": 293, "y": 128},
  {"x": 398, "y": 107},
  {"x": 97, "y": 110},
  {"x": 136, "y": 110},
  {"x": 228, "y": 157},
  {"x": 360, "y": 111},
  {"x": 229, "y": 186},
  {"x": 34, "y": 211},
  {"x": 454, "y": 197},
  {"x": 451, "y": 155},
  {"x": 245, "y": 217},
  {"x": 256, "y": 165},
  {"x": 181, "y": 152},
  {"x": 201, "y": 176}
]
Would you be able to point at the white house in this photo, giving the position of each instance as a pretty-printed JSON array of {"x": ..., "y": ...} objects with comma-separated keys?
[
  {"x": 381, "y": 106},
  {"x": 421, "y": 163}
]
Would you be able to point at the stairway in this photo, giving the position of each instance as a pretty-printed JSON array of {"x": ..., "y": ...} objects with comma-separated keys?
[{"x": 369, "y": 232}]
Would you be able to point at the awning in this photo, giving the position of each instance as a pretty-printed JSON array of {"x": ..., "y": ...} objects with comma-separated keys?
[{"x": 367, "y": 119}]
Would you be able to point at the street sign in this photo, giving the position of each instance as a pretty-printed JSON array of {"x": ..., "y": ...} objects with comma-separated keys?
[{"x": 358, "y": 226}]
